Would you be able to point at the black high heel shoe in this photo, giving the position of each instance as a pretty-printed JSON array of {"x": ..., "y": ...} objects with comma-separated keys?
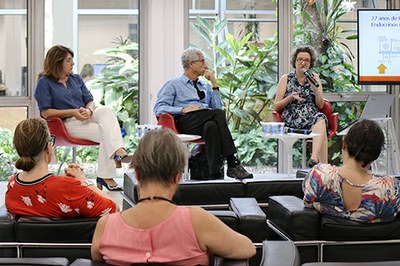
[
  {"x": 101, "y": 182},
  {"x": 312, "y": 163}
]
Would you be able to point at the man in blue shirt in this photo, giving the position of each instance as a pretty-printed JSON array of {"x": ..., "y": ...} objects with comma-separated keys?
[{"x": 197, "y": 109}]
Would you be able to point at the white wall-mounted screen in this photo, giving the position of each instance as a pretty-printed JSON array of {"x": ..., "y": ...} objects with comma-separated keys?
[{"x": 378, "y": 46}]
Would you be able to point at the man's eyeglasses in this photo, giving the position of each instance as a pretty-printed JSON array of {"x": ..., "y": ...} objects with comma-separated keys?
[
  {"x": 52, "y": 139},
  {"x": 306, "y": 60},
  {"x": 202, "y": 61}
]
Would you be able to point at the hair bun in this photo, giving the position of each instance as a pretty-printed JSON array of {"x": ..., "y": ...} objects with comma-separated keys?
[{"x": 25, "y": 163}]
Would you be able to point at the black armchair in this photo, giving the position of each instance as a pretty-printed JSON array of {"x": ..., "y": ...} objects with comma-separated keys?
[{"x": 323, "y": 238}]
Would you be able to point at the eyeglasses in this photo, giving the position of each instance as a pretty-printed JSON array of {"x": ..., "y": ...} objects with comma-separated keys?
[
  {"x": 202, "y": 61},
  {"x": 52, "y": 139},
  {"x": 306, "y": 60},
  {"x": 69, "y": 60}
]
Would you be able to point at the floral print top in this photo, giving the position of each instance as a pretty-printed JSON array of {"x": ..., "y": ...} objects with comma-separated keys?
[
  {"x": 380, "y": 199},
  {"x": 55, "y": 196},
  {"x": 301, "y": 115}
]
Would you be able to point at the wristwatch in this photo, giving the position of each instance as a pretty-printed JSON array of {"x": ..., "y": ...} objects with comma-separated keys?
[
  {"x": 91, "y": 110},
  {"x": 88, "y": 183}
]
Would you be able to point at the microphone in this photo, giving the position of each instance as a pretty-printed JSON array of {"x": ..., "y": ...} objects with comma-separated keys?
[
  {"x": 296, "y": 130},
  {"x": 310, "y": 77}
]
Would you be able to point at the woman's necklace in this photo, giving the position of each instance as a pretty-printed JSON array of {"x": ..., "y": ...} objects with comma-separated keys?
[
  {"x": 156, "y": 198},
  {"x": 352, "y": 184}
]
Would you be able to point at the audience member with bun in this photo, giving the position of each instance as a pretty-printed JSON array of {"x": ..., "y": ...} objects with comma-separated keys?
[
  {"x": 37, "y": 192},
  {"x": 352, "y": 191},
  {"x": 156, "y": 230}
]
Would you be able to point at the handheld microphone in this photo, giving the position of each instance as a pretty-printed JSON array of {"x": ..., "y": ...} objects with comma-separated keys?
[
  {"x": 296, "y": 130},
  {"x": 310, "y": 77}
]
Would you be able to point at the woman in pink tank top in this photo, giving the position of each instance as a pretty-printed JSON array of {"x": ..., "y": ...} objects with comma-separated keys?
[{"x": 156, "y": 230}]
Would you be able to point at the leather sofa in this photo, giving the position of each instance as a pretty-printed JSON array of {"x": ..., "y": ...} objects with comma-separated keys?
[
  {"x": 228, "y": 196},
  {"x": 217, "y": 193},
  {"x": 285, "y": 253},
  {"x": 58, "y": 261},
  {"x": 322, "y": 238},
  {"x": 40, "y": 237}
]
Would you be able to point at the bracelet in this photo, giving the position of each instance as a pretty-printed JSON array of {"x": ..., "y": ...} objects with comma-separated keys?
[
  {"x": 216, "y": 88},
  {"x": 91, "y": 110},
  {"x": 88, "y": 183}
]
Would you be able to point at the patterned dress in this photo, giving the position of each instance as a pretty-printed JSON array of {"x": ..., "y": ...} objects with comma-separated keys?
[
  {"x": 55, "y": 196},
  {"x": 301, "y": 115},
  {"x": 380, "y": 199}
]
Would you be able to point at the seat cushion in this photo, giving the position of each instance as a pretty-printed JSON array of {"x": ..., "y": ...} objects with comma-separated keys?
[
  {"x": 262, "y": 189},
  {"x": 55, "y": 230}
]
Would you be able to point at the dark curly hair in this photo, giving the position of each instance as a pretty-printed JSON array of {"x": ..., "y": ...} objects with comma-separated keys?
[
  {"x": 365, "y": 141},
  {"x": 304, "y": 49}
]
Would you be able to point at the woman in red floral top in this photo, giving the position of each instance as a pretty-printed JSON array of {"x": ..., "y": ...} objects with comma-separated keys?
[{"x": 36, "y": 192}]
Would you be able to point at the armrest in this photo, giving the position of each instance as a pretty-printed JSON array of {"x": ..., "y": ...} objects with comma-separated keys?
[
  {"x": 227, "y": 217},
  {"x": 219, "y": 261},
  {"x": 252, "y": 219},
  {"x": 87, "y": 262},
  {"x": 280, "y": 253},
  {"x": 34, "y": 261},
  {"x": 7, "y": 225},
  {"x": 289, "y": 215}
]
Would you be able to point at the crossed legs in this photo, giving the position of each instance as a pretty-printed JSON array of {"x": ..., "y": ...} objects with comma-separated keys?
[{"x": 320, "y": 143}]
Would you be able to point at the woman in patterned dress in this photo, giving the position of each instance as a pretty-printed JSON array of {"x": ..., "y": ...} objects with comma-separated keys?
[
  {"x": 301, "y": 102},
  {"x": 37, "y": 192},
  {"x": 351, "y": 191}
]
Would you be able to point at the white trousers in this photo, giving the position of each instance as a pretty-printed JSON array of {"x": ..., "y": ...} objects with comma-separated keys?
[{"x": 101, "y": 127}]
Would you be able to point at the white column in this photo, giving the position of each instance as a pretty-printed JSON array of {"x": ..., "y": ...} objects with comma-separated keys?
[
  {"x": 163, "y": 36},
  {"x": 63, "y": 21}
]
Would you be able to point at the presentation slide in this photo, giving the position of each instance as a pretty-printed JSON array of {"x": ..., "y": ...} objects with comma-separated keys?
[{"x": 378, "y": 46}]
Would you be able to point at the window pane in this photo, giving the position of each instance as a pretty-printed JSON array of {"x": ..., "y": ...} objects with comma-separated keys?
[
  {"x": 202, "y": 4},
  {"x": 107, "y": 31},
  {"x": 11, "y": 116},
  {"x": 13, "y": 70},
  {"x": 262, "y": 26},
  {"x": 250, "y": 5},
  {"x": 107, "y": 4},
  {"x": 14, "y": 4}
]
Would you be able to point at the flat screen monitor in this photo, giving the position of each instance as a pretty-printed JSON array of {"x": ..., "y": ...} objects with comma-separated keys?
[
  {"x": 378, "y": 46},
  {"x": 97, "y": 69}
]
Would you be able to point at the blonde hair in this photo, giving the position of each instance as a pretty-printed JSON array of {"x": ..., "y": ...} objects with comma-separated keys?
[
  {"x": 159, "y": 157},
  {"x": 31, "y": 137}
]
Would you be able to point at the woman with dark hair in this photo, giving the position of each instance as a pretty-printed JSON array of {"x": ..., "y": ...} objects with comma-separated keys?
[
  {"x": 61, "y": 93},
  {"x": 37, "y": 192},
  {"x": 156, "y": 230},
  {"x": 301, "y": 101},
  {"x": 351, "y": 191}
]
